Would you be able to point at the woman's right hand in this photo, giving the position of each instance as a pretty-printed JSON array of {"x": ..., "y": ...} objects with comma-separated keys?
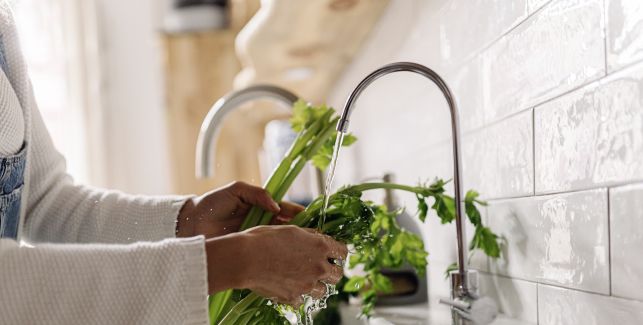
[{"x": 281, "y": 263}]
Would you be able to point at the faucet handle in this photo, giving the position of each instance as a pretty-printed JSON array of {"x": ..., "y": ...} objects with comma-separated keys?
[
  {"x": 455, "y": 303},
  {"x": 480, "y": 311}
]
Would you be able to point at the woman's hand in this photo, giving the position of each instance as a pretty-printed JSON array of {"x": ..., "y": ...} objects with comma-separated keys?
[
  {"x": 281, "y": 263},
  {"x": 222, "y": 211}
]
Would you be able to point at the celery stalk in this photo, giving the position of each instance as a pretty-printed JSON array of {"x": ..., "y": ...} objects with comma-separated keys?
[
  {"x": 298, "y": 167},
  {"x": 276, "y": 180}
]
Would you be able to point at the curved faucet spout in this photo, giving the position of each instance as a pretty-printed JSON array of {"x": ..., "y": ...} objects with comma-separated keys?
[
  {"x": 210, "y": 129},
  {"x": 342, "y": 126}
]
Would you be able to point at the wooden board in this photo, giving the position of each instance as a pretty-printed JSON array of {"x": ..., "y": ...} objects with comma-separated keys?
[
  {"x": 304, "y": 45},
  {"x": 300, "y": 45},
  {"x": 199, "y": 70}
]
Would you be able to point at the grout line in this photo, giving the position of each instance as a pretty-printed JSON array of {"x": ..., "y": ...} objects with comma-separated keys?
[
  {"x": 563, "y": 192},
  {"x": 533, "y": 150},
  {"x": 587, "y": 84},
  {"x": 537, "y": 303},
  {"x": 605, "y": 22},
  {"x": 467, "y": 59},
  {"x": 542, "y": 7},
  {"x": 494, "y": 40},
  {"x": 519, "y": 197},
  {"x": 632, "y": 65},
  {"x": 606, "y": 73},
  {"x": 448, "y": 140},
  {"x": 554, "y": 285},
  {"x": 602, "y": 295},
  {"x": 539, "y": 195},
  {"x": 634, "y": 181},
  {"x": 609, "y": 240}
]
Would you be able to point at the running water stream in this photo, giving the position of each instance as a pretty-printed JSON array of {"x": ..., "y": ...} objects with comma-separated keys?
[
  {"x": 312, "y": 305},
  {"x": 330, "y": 176}
]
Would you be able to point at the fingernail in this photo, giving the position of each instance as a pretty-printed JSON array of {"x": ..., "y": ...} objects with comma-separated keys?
[{"x": 275, "y": 206}]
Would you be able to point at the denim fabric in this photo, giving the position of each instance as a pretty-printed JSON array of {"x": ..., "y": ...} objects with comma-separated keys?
[{"x": 12, "y": 170}]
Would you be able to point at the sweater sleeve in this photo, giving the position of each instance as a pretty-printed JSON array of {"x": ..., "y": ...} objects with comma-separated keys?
[
  {"x": 59, "y": 211},
  {"x": 56, "y": 209},
  {"x": 143, "y": 283}
]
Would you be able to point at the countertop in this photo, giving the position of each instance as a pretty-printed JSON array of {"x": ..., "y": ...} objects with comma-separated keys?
[{"x": 418, "y": 314}]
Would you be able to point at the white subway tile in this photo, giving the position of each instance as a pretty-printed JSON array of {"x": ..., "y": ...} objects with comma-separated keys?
[
  {"x": 516, "y": 299},
  {"x": 477, "y": 259},
  {"x": 558, "y": 306},
  {"x": 393, "y": 119},
  {"x": 421, "y": 43},
  {"x": 425, "y": 167},
  {"x": 438, "y": 283},
  {"x": 467, "y": 26},
  {"x": 534, "y": 5},
  {"x": 559, "y": 239},
  {"x": 558, "y": 49},
  {"x": 591, "y": 137},
  {"x": 498, "y": 160},
  {"x": 466, "y": 84},
  {"x": 626, "y": 238},
  {"x": 624, "y": 36}
]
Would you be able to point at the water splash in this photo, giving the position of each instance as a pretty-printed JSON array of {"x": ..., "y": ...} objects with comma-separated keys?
[
  {"x": 330, "y": 176},
  {"x": 310, "y": 307}
]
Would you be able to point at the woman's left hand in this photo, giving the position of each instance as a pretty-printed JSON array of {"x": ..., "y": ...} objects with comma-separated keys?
[{"x": 222, "y": 211}]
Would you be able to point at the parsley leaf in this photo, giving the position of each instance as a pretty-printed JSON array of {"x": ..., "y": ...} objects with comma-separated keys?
[{"x": 322, "y": 158}]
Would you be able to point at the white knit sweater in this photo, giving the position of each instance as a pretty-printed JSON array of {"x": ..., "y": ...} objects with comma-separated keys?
[{"x": 87, "y": 256}]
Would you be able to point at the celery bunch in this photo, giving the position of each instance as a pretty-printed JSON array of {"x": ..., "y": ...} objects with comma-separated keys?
[{"x": 371, "y": 229}]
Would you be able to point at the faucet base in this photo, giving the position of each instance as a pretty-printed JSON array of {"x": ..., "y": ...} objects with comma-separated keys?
[
  {"x": 456, "y": 279},
  {"x": 460, "y": 297}
]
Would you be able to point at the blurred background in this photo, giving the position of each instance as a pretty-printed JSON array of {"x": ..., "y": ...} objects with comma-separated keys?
[
  {"x": 551, "y": 106},
  {"x": 117, "y": 81},
  {"x": 124, "y": 86}
]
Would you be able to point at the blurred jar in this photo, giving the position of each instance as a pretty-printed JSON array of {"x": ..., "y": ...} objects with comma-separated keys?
[
  {"x": 277, "y": 140},
  {"x": 187, "y": 16}
]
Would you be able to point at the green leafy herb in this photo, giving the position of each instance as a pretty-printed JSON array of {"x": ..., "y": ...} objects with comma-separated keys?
[
  {"x": 452, "y": 267},
  {"x": 322, "y": 158}
]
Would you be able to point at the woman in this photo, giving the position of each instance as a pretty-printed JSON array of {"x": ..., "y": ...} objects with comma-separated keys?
[{"x": 71, "y": 254}]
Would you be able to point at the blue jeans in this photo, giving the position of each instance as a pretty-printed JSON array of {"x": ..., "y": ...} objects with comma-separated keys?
[{"x": 12, "y": 170}]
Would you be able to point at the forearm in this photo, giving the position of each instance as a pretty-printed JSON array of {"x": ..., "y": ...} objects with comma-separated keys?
[
  {"x": 227, "y": 259},
  {"x": 57, "y": 210},
  {"x": 80, "y": 214}
]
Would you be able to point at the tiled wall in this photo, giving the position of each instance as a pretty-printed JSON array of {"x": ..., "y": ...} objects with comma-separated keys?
[{"x": 551, "y": 100}]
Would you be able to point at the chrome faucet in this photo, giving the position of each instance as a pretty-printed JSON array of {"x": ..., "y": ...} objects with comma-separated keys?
[
  {"x": 464, "y": 296},
  {"x": 211, "y": 126}
]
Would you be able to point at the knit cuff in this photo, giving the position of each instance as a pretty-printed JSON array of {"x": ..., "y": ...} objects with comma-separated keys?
[
  {"x": 195, "y": 281},
  {"x": 169, "y": 210}
]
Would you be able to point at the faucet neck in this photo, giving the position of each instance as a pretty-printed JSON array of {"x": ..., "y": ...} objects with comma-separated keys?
[{"x": 343, "y": 123}]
